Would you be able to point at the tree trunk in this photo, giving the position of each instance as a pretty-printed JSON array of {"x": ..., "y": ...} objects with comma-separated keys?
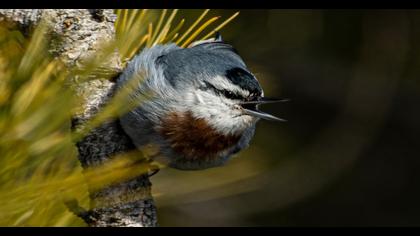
[{"x": 80, "y": 32}]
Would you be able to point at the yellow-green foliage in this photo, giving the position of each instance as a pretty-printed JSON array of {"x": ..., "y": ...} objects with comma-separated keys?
[
  {"x": 38, "y": 159},
  {"x": 139, "y": 28}
]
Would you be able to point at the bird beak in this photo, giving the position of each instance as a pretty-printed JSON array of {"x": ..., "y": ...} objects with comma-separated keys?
[{"x": 251, "y": 108}]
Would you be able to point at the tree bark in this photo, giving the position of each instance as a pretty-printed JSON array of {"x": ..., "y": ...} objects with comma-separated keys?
[{"x": 81, "y": 32}]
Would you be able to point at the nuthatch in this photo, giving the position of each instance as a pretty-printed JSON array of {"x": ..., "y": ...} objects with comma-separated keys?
[{"x": 204, "y": 103}]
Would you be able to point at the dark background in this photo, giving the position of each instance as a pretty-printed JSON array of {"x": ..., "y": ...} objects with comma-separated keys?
[{"x": 347, "y": 155}]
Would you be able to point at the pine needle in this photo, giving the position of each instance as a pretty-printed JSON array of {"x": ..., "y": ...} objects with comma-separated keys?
[
  {"x": 171, "y": 36},
  {"x": 166, "y": 28},
  {"x": 193, "y": 26},
  {"x": 156, "y": 31},
  {"x": 220, "y": 26},
  {"x": 199, "y": 30}
]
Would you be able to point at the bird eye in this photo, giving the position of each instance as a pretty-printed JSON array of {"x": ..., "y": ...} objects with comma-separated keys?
[
  {"x": 230, "y": 95},
  {"x": 225, "y": 93},
  {"x": 253, "y": 97}
]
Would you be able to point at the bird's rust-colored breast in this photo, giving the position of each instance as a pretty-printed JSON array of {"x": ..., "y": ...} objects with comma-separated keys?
[{"x": 193, "y": 137}]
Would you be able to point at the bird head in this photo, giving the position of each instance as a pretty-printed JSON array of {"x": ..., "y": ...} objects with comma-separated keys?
[{"x": 214, "y": 84}]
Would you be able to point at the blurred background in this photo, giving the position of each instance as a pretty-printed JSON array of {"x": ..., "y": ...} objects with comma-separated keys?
[{"x": 346, "y": 156}]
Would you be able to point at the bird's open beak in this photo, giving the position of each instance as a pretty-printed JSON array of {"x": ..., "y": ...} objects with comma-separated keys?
[{"x": 251, "y": 108}]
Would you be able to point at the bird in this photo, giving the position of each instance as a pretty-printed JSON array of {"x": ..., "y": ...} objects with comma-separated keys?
[{"x": 201, "y": 107}]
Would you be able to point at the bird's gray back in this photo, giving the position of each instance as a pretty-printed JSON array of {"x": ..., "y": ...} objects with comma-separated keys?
[{"x": 188, "y": 65}]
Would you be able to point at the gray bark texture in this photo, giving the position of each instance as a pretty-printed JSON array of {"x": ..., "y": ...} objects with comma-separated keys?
[{"x": 80, "y": 32}]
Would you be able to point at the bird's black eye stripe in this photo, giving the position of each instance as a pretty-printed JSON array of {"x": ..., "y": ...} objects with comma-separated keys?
[
  {"x": 231, "y": 95},
  {"x": 226, "y": 93},
  {"x": 208, "y": 85}
]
